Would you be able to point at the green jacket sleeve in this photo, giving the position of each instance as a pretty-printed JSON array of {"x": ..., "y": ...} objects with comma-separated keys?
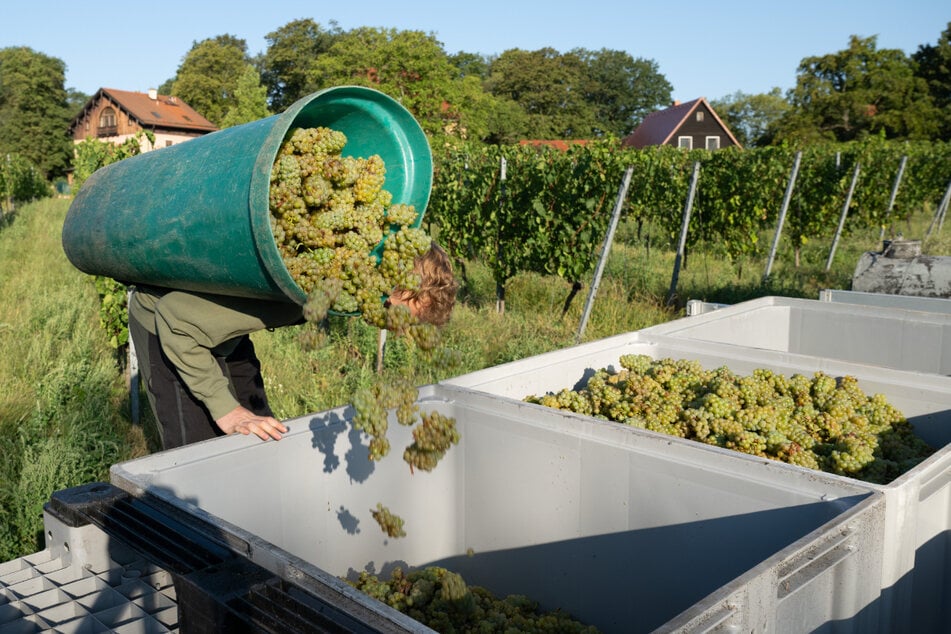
[{"x": 190, "y": 326}]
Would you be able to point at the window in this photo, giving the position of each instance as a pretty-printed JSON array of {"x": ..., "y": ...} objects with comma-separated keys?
[
  {"x": 107, "y": 118},
  {"x": 685, "y": 142},
  {"x": 699, "y": 115},
  {"x": 713, "y": 143}
]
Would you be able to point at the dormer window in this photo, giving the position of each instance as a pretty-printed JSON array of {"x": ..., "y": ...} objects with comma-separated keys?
[{"x": 107, "y": 118}]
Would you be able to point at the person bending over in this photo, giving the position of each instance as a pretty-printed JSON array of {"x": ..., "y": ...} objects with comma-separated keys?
[{"x": 198, "y": 363}]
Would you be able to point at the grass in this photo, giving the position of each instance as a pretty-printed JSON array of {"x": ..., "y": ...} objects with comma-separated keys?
[{"x": 64, "y": 401}]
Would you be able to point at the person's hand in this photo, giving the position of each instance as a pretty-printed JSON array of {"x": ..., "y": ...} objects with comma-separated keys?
[{"x": 244, "y": 421}]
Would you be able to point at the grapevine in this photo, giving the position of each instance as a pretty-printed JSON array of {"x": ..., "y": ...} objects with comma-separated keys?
[
  {"x": 441, "y": 600},
  {"x": 821, "y": 422}
]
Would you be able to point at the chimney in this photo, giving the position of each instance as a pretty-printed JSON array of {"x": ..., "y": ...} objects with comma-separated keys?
[
  {"x": 153, "y": 94},
  {"x": 676, "y": 102}
]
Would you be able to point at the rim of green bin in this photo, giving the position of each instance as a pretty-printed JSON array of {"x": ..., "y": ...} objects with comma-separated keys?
[{"x": 374, "y": 123}]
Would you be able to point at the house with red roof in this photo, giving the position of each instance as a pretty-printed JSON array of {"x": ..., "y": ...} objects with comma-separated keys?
[
  {"x": 115, "y": 115},
  {"x": 689, "y": 125}
]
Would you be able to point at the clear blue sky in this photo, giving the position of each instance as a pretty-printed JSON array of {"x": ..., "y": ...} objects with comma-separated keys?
[{"x": 705, "y": 49}]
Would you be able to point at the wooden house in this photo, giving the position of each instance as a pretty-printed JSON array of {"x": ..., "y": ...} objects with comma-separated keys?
[
  {"x": 689, "y": 125},
  {"x": 116, "y": 115}
]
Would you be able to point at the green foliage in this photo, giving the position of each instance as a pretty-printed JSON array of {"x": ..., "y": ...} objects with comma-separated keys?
[
  {"x": 623, "y": 90},
  {"x": 410, "y": 66},
  {"x": 113, "y": 315},
  {"x": 34, "y": 113},
  {"x": 550, "y": 214},
  {"x": 92, "y": 154},
  {"x": 857, "y": 92},
  {"x": 250, "y": 100},
  {"x": 934, "y": 66},
  {"x": 286, "y": 66},
  {"x": 752, "y": 118},
  {"x": 20, "y": 181},
  {"x": 62, "y": 409},
  {"x": 545, "y": 83},
  {"x": 209, "y": 76}
]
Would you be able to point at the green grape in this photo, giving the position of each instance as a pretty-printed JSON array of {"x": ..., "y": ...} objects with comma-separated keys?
[
  {"x": 819, "y": 422},
  {"x": 327, "y": 208},
  {"x": 432, "y": 438},
  {"x": 401, "y": 215},
  {"x": 391, "y": 524},
  {"x": 442, "y": 600}
]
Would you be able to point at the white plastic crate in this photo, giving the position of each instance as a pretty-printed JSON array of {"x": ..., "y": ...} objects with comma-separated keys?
[
  {"x": 885, "y": 300},
  {"x": 84, "y": 582},
  {"x": 916, "y": 573},
  {"x": 890, "y": 336},
  {"x": 623, "y": 530}
]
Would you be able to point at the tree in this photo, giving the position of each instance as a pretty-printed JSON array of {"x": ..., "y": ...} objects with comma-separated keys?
[
  {"x": 856, "y": 92},
  {"x": 287, "y": 65},
  {"x": 934, "y": 66},
  {"x": 209, "y": 74},
  {"x": 548, "y": 85},
  {"x": 470, "y": 113},
  {"x": 75, "y": 100},
  {"x": 471, "y": 64},
  {"x": 34, "y": 112},
  {"x": 622, "y": 90},
  {"x": 250, "y": 100},
  {"x": 409, "y": 66},
  {"x": 752, "y": 118}
]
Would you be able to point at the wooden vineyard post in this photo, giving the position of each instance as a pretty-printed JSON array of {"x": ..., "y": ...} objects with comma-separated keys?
[
  {"x": 845, "y": 212},
  {"x": 672, "y": 293},
  {"x": 891, "y": 199},
  {"x": 782, "y": 214},
  {"x": 605, "y": 250}
]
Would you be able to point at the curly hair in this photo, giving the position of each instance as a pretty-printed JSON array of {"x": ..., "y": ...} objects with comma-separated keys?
[{"x": 436, "y": 295}]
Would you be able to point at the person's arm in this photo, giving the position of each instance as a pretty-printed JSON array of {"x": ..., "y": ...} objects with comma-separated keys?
[{"x": 190, "y": 325}]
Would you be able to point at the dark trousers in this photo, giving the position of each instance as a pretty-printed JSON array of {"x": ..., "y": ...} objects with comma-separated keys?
[{"x": 182, "y": 418}]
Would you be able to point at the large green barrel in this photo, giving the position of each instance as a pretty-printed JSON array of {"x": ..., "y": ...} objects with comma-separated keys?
[{"x": 195, "y": 216}]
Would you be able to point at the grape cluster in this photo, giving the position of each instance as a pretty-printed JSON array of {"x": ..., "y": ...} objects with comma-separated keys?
[
  {"x": 391, "y": 524},
  {"x": 371, "y": 406},
  {"x": 432, "y": 438},
  {"x": 818, "y": 422},
  {"x": 441, "y": 600},
  {"x": 328, "y": 213}
]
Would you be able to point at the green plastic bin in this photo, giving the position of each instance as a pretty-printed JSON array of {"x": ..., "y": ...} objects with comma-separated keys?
[{"x": 195, "y": 216}]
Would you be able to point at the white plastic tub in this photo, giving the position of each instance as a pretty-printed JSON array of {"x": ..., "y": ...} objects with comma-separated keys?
[
  {"x": 890, "y": 336},
  {"x": 916, "y": 573},
  {"x": 624, "y": 530}
]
